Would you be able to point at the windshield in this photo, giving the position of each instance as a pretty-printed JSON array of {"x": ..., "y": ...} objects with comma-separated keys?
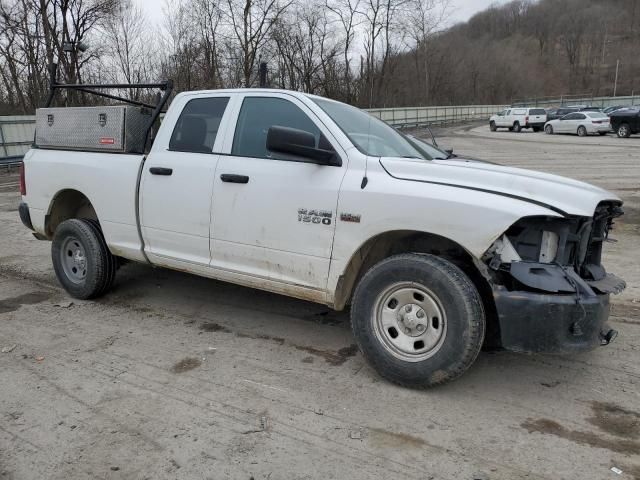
[
  {"x": 427, "y": 149},
  {"x": 368, "y": 134},
  {"x": 597, "y": 115}
]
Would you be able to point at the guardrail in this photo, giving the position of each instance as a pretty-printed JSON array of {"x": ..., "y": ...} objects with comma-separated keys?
[
  {"x": 416, "y": 116},
  {"x": 16, "y": 136}
]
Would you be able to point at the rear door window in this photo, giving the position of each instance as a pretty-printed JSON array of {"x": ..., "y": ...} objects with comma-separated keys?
[{"x": 197, "y": 127}]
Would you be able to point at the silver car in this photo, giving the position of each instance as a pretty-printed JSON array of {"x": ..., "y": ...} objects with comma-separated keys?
[{"x": 580, "y": 123}]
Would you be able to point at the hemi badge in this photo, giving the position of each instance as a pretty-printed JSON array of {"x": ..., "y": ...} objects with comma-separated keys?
[
  {"x": 107, "y": 141},
  {"x": 350, "y": 217}
]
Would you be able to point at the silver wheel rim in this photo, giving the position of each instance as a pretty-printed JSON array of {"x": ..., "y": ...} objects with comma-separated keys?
[
  {"x": 409, "y": 321},
  {"x": 582, "y": 131},
  {"x": 623, "y": 131},
  {"x": 74, "y": 260},
  {"x": 548, "y": 129}
]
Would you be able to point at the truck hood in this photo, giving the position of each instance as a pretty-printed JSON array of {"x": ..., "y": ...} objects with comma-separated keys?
[{"x": 560, "y": 194}]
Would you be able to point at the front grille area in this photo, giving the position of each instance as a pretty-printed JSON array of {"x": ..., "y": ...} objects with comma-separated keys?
[
  {"x": 580, "y": 239},
  {"x": 590, "y": 267}
]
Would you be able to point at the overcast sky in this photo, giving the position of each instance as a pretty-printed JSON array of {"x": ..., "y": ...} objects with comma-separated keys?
[{"x": 462, "y": 9}]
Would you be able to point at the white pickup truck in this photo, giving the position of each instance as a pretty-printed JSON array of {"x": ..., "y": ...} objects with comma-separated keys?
[
  {"x": 516, "y": 119},
  {"x": 311, "y": 198}
]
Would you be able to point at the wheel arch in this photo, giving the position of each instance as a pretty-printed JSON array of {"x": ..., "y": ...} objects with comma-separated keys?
[
  {"x": 66, "y": 204},
  {"x": 397, "y": 242}
]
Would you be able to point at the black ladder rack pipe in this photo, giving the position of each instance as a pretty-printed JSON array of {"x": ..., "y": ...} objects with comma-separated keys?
[{"x": 166, "y": 87}]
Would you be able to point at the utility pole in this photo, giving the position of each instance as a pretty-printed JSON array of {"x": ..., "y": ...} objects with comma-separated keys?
[{"x": 615, "y": 84}]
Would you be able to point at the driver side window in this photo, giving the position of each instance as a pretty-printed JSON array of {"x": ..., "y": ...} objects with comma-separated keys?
[{"x": 257, "y": 115}]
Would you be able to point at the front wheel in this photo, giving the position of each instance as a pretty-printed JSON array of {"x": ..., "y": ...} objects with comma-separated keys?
[
  {"x": 548, "y": 130},
  {"x": 492, "y": 126},
  {"x": 418, "y": 320},
  {"x": 83, "y": 264}
]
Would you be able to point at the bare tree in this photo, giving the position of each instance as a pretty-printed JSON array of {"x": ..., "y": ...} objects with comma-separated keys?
[
  {"x": 348, "y": 15},
  {"x": 251, "y": 22}
]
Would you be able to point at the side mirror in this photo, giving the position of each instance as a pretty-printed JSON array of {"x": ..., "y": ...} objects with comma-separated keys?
[{"x": 300, "y": 143}]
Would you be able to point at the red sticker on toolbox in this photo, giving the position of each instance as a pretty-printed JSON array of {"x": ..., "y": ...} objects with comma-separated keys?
[{"x": 107, "y": 141}]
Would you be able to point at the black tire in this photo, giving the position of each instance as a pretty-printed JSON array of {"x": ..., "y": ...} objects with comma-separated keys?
[
  {"x": 463, "y": 319},
  {"x": 511, "y": 129},
  {"x": 492, "y": 126},
  {"x": 517, "y": 128},
  {"x": 624, "y": 131},
  {"x": 99, "y": 264},
  {"x": 548, "y": 129},
  {"x": 582, "y": 131}
]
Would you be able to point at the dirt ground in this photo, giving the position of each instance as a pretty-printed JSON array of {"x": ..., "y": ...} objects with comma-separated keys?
[{"x": 179, "y": 377}]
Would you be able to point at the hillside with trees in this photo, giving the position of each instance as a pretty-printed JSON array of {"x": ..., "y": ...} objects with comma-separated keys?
[
  {"x": 370, "y": 53},
  {"x": 524, "y": 50}
]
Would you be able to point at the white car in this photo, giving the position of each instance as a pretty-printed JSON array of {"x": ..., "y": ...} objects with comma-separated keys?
[
  {"x": 515, "y": 119},
  {"x": 580, "y": 123},
  {"x": 315, "y": 199}
]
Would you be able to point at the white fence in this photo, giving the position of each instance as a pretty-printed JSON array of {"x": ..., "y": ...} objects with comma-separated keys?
[{"x": 17, "y": 132}]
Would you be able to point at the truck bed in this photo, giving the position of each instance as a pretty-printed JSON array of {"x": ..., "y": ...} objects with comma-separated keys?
[{"x": 110, "y": 179}]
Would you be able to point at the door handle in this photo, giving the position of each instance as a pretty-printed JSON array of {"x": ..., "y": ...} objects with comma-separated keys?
[
  {"x": 161, "y": 171},
  {"x": 233, "y": 178}
]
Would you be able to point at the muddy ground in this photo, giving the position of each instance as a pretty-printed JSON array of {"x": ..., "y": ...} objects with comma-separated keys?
[{"x": 175, "y": 376}]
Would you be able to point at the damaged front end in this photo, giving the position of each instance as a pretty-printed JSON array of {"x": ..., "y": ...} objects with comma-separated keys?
[{"x": 550, "y": 288}]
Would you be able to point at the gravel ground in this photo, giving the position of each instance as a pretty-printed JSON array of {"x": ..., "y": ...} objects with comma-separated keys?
[{"x": 179, "y": 377}]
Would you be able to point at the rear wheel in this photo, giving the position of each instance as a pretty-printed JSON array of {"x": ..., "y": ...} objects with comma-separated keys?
[
  {"x": 548, "y": 130},
  {"x": 582, "y": 131},
  {"x": 492, "y": 126},
  {"x": 418, "y": 319},
  {"x": 83, "y": 264},
  {"x": 624, "y": 131},
  {"x": 517, "y": 128}
]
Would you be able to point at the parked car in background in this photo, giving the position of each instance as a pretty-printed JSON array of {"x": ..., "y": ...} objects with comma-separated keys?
[
  {"x": 561, "y": 112},
  {"x": 515, "y": 119},
  {"x": 610, "y": 110},
  {"x": 580, "y": 123},
  {"x": 625, "y": 122}
]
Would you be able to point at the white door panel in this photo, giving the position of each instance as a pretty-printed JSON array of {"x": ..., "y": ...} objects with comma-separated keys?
[
  {"x": 280, "y": 223},
  {"x": 175, "y": 209},
  {"x": 177, "y": 181},
  {"x": 285, "y": 212}
]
